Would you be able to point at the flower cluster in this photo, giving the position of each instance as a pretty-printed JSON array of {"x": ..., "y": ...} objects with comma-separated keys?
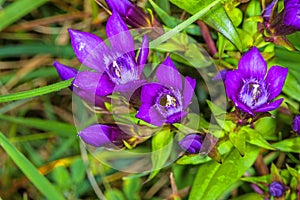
[
  {"x": 118, "y": 69},
  {"x": 164, "y": 99}
]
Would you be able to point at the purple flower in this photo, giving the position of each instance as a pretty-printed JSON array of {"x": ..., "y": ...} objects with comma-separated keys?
[
  {"x": 276, "y": 189},
  {"x": 221, "y": 75},
  {"x": 167, "y": 100},
  {"x": 251, "y": 88},
  {"x": 292, "y": 13},
  {"x": 132, "y": 14},
  {"x": 191, "y": 143},
  {"x": 114, "y": 68},
  {"x": 109, "y": 136},
  {"x": 296, "y": 124}
]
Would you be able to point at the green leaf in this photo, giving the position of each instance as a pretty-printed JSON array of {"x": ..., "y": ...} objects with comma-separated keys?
[
  {"x": 239, "y": 141},
  {"x": 249, "y": 196},
  {"x": 256, "y": 180},
  {"x": 36, "y": 92},
  {"x": 114, "y": 194},
  {"x": 61, "y": 177},
  {"x": 292, "y": 87},
  {"x": 62, "y": 129},
  {"x": 192, "y": 160},
  {"x": 216, "y": 17},
  {"x": 78, "y": 171},
  {"x": 40, "y": 182},
  {"x": 205, "y": 9},
  {"x": 255, "y": 138},
  {"x": 131, "y": 188},
  {"x": 17, "y": 10},
  {"x": 213, "y": 179},
  {"x": 288, "y": 145},
  {"x": 161, "y": 150}
]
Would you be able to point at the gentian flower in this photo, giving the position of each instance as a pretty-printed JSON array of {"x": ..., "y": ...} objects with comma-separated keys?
[
  {"x": 191, "y": 143},
  {"x": 251, "y": 88},
  {"x": 276, "y": 189},
  {"x": 296, "y": 124},
  {"x": 167, "y": 100},
  {"x": 115, "y": 68},
  {"x": 109, "y": 136},
  {"x": 132, "y": 14}
]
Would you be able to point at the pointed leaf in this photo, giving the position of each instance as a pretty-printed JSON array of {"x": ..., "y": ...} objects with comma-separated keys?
[
  {"x": 213, "y": 179},
  {"x": 216, "y": 17}
]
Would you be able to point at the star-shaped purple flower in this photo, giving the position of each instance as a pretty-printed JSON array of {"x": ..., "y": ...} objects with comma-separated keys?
[
  {"x": 113, "y": 68},
  {"x": 167, "y": 100},
  {"x": 251, "y": 88}
]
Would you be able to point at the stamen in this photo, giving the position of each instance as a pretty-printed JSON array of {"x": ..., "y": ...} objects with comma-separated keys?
[{"x": 117, "y": 69}]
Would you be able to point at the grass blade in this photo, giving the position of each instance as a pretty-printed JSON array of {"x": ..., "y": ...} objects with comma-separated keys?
[
  {"x": 17, "y": 10},
  {"x": 29, "y": 170},
  {"x": 36, "y": 92}
]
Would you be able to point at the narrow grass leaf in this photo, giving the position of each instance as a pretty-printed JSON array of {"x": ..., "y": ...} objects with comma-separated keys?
[{"x": 40, "y": 182}]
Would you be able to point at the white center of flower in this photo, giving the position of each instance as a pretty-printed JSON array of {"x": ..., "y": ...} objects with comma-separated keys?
[
  {"x": 117, "y": 69},
  {"x": 168, "y": 101}
]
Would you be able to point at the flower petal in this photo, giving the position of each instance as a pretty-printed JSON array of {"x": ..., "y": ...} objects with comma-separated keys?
[
  {"x": 233, "y": 83},
  {"x": 176, "y": 117},
  {"x": 150, "y": 92},
  {"x": 96, "y": 135},
  {"x": 252, "y": 64},
  {"x": 98, "y": 101},
  {"x": 118, "y": 34},
  {"x": 149, "y": 114},
  {"x": 188, "y": 91},
  {"x": 142, "y": 59},
  {"x": 168, "y": 74},
  {"x": 65, "y": 72},
  {"x": 121, "y": 6},
  {"x": 130, "y": 86},
  {"x": 94, "y": 83},
  {"x": 89, "y": 49},
  {"x": 275, "y": 80},
  {"x": 242, "y": 106},
  {"x": 292, "y": 17},
  {"x": 270, "y": 106}
]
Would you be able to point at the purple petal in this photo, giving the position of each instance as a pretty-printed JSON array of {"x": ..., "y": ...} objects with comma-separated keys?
[
  {"x": 64, "y": 71},
  {"x": 89, "y": 49},
  {"x": 94, "y": 83},
  {"x": 188, "y": 91},
  {"x": 242, "y": 106},
  {"x": 130, "y": 86},
  {"x": 296, "y": 124},
  {"x": 252, "y": 64},
  {"x": 150, "y": 115},
  {"x": 268, "y": 10},
  {"x": 96, "y": 135},
  {"x": 233, "y": 83},
  {"x": 270, "y": 106},
  {"x": 191, "y": 143},
  {"x": 221, "y": 75},
  {"x": 118, "y": 34},
  {"x": 121, "y": 6},
  {"x": 168, "y": 74},
  {"x": 98, "y": 101},
  {"x": 176, "y": 117},
  {"x": 292, "y": 16},
  {"x": 150, "y": 92},
  {"x": 275, "y": 80},
  {"x": 142, "y": 59}
]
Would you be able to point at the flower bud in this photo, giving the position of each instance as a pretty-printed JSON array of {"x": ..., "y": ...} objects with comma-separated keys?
[
  {"x": 191, "y": 143},
  {"x": 296, "y": 124},
  {"x": 276, "y": 189}
]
